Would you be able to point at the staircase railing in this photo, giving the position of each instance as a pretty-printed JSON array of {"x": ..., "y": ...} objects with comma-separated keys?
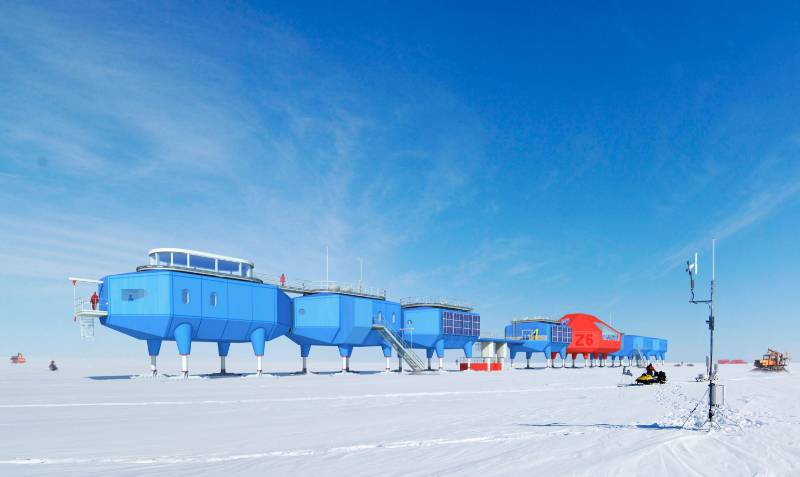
[{"x": 400, "y": 345}]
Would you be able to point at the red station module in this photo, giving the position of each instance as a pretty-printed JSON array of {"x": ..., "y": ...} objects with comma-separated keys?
[{"x": 591, "y": 336}]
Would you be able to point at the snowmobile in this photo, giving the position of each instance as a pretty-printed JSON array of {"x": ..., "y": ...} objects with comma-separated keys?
[{"x": 658, "y": 378}]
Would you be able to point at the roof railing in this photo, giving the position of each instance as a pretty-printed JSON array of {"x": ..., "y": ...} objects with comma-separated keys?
[
  {"x": 435, "y": 301},
  {"x": 535, "y": 318},
  {"x": 307, "y": 287}
]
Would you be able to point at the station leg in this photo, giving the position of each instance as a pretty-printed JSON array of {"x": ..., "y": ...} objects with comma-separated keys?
[
  {"x": 153, "y": 348},
  {"x": 399, "y": 364},
  {"x": 387, "y": 353},
  {"x": 222, "y": 348},
  {"x": 440, "y": 353},
  {"x": 468, "y": 353},
  {"x": 183, "y": 338},
  {"x": 429, "y": 355},
  {"x": 345, "y": 352},
  {"x": 305, "y": 350},
  {"x": 258, "y": 339}
]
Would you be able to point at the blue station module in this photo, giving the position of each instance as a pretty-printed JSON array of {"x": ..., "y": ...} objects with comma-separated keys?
[
  {"x": 187, "y": 296},
  {"x": 435, "y": 324},
  {"x": 343, "y": 319},
  {"x": 639, "y": 348},
  {"x": 538, "y": 335}
]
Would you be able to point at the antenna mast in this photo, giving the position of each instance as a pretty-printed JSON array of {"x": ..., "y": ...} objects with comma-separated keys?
[{"x": 691, "y": 268}]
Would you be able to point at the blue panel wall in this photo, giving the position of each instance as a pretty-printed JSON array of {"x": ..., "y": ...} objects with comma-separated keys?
[
  {"x": 141, "y": 304},
  {"x": 341, "y": 320},
  {"x": 152, "y": 304},
  {"x": 242, "y": 300}
]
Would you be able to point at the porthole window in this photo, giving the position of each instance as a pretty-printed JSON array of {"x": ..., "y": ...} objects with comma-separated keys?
[
  {"x": 185, "y": 296},
  {"x": 214, "y": 299}
]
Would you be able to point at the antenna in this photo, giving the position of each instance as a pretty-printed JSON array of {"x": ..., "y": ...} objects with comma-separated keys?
[
  {"x": 327, "y": 281},
  {"x": 691, "y": 268},
  {"x": 361, "y": 273}
]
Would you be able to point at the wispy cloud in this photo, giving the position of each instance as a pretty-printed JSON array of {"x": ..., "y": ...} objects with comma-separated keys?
[
  {"x": 774, "y": 182},
  {"x": 145, "y": 139}
]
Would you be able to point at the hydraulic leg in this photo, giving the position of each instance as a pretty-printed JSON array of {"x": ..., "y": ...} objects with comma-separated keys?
[{"x": 153, "y": 348}]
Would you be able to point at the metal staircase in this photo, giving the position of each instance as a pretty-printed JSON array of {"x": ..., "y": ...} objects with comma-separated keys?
[
  {"x": 639, "y": 357},
  {"x": 398, "y": 343}
]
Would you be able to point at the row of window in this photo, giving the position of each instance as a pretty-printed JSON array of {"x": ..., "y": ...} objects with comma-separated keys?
[
  {"x": 561, "y": 334},
  {"x": 461, "y": 324},
  {"x": 198, "y": 262}
]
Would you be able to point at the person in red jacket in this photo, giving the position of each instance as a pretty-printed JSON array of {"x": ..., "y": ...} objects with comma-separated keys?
[
  {"x": 95, "y": 300},
  {"x": 283, "y": 280},
  {"x": 651, "y": 370}
]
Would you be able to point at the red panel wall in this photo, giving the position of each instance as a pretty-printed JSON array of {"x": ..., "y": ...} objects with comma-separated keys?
[{"x": 587, "y": 335}]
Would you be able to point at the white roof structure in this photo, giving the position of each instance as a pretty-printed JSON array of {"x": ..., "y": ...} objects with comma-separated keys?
[{"x": 201, "y": 254}]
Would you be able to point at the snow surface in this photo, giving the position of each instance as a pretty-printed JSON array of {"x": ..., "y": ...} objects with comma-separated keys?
[{"x": 89, "y": 419}]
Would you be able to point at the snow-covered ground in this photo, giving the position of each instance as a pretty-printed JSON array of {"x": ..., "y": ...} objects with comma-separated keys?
[{"x": 91, "y": 420}]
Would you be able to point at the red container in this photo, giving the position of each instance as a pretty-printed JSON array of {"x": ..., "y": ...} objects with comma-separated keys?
[
  {"x": 590, "y": 335},
  {"x": 479, "y": 366}
]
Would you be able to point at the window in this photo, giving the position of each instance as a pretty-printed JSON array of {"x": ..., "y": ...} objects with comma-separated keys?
[
  {"x": 132, "y": 294},
  {"x": 213, "y": 299},
  {"x": 179, "y": 259},
  {"x": 230, "y": 268},
  {"x": 394, "y": 318},
  {"x": 203, "y": 263},
  {"x": 447, "y": 322},
  {"x": 246, "y": 270},
  {"x": 153, "y": 259},
  {"x": 380, "y": 316},
  {"x": 164, "y": 258},
  {"x": 561, "y": 334},
  {"x": 185, "y": 296},
  {"x": 608, "y": 333}
]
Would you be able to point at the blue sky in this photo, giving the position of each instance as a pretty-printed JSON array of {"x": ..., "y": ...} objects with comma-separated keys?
[{"x": 528, "y": 158}]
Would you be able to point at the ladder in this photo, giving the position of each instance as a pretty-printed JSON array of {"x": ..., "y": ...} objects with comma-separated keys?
[
  {"x": 640, "y": 359},
  {"x": 407, "y": 354}
]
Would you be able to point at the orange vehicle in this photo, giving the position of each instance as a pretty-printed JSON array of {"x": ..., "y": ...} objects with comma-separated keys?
[
  {"x": 772, "y": 361},
  {"x": 18, "y": 359}
]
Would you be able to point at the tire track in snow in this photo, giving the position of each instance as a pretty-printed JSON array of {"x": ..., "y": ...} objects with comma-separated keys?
[
  {"x": 300, "y": 399},
  {"x": 206, "y": 459}
]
